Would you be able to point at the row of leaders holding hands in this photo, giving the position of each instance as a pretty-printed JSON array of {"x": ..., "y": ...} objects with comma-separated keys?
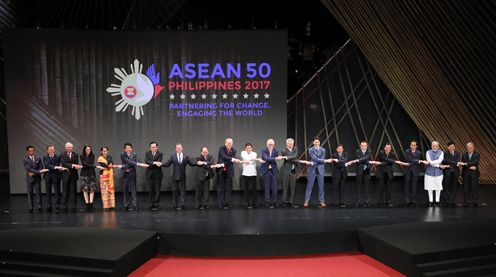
[{"x": 441, "y": 175}]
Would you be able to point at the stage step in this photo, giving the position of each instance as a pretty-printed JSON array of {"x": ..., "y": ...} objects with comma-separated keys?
[
  {"x": 459, "y": 262},
  {"x": 74, "y": 251},
  {"x": 464, "y": 271},
  {"x": 54, "y": 267}
]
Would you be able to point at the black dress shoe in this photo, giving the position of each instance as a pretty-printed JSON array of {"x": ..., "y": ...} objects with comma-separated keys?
[
  {"x": 49, "y": 209},
  {"x": 226, "y": 207},
  {"x": 476, "y": 205},
  {"x": 294, "y": 206},
  {"x": 431, "y": 204},
  {"x": 390, "y": 205},
  {"x": 64, "y": 210},
  {"x": 57, "y": 210},
  {"x": 126, "y": 208},
  {"x": 342, "y": 205},
  {"x": 453, "y": 205},
  {"x": 30, "y": 211},
  {"x": 202, "y": 207},
  {"x": 40, "y": 210}
]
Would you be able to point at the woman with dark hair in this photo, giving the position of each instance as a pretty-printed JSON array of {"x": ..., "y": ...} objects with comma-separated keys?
[
  {"x": 106, "y": 166},
  {"x": 88, "y": 177}
]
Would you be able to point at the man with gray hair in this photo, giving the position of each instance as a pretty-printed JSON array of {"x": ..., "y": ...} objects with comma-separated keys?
[
  {"x": 69, "y": 160},
  {"x": 470, "y": 173},
  {"x": 289, "y": 170}
]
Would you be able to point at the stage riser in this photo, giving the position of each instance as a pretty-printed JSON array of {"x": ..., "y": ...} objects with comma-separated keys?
[{"x": 257, "y": 245}]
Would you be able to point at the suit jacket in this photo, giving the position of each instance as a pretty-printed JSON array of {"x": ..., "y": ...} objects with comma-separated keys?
[
  {"x": 387, "y": 163},
  {"x": 50, "y": 163},
  {"x": 363, "y": 160},
  {"x": 88, "y": 164},
  {"x": 291, "y": 162},
  {"x": 129, "y": 164},
  {"x": 178, "y": 169},
  {"x": 153, "y": 171},
  {"x": 67, "y": 162},
  {"x": 340, "y": 165},
  {"x": 452, "y": 161},
  {"x": 33, "y": 169},
  {"x": 318, "y": 159},
  {"x": 413, "y": 160},
  {"x": 204, "y": 171},
  {"x": 473, "y": 161},
  {"x": 270, "y": 159},
  {"x": 226, "y": 158}
]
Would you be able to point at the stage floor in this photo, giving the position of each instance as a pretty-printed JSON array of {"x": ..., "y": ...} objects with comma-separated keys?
[{"x": 240, "y": 220}]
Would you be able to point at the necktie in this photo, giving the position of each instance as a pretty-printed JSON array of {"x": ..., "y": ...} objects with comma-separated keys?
[
  {"x": 32, "y": 161},
  {"x": 469, "y": 156},
  {"x": 70, "y": 155},
  {"x": 180, "y": 158}
]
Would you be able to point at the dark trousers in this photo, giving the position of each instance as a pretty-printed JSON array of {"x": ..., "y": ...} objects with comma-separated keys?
[
  {"x": 224, "y": 189},
  {"x": 270, "y": 186},
  {"x": 250, "y": 189},
  {"x": 385, "y": 182},
  {"x": 470, "y": 182},
  {"x": 129, "y": 190},
  {"x": 178, "y": 193},
  {"x": 339, "y": 180},
  {"x": 154, "y": 184},
  {"x": 365, "y": 178},
  {"x": 410, "y": 186},
  {"x": 34, "y": 190},
  {"x": 450, "y": 186},
  {"x": 52, "y": 184},
  {"x": 202, "y": 192},
  {"x": 288, "y": 186},
  {"x": 69, "y": 192}
]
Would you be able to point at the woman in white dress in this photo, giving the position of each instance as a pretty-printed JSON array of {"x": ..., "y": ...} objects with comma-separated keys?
[{"x": 433, "y": 179}]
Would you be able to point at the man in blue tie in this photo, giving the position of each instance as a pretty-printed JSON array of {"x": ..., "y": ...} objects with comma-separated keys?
[
  {"x": 52, "y": 178},
  {"x": 129, "y": 163},
  {"x": 316, "y": 171},
  {"x": 363, "y": 157},
  {"x": 269, "y": 172}
]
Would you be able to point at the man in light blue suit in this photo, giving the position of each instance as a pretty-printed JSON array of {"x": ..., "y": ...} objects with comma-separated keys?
[{"x": 316, "y": 171}]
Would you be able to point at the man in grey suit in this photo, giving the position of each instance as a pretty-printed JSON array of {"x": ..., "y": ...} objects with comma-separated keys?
[
  {"x": 288, "y": 172},
  {"x": 34, "y": 169}
]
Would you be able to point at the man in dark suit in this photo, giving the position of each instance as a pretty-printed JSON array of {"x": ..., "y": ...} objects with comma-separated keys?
[
  {"x": 203, "y": 175},
  {"x": 269, "y": 173},
  {"x": 289, "y": 170},
  {"x": 52, "y": 178},
  {"x": 34, "y": 169},
  {"x": 387, "y": 159},
  {"x": 451, "y": 175},
  {"x": 340, "y": 172},
  {"x": 225, "y": 174},
  {"x": 470, "y": 172},
  {"x": 69, "y": 160},
  {"x": 179, "y": 161},
  {"x": 363, "y": 157},
  {"x": 413, "y": 159},
  {"x": 154, "y": 175},
  {"x": 129, "y": 161}
]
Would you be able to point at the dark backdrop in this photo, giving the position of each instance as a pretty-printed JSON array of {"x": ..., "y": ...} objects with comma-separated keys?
[{"x": 56, "y": 85}]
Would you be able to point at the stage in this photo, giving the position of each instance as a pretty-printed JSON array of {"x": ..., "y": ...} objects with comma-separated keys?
[{"x": 242, "y": 232}]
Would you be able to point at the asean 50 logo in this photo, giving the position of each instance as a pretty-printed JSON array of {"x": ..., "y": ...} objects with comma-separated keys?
[{"x": 136, "y": 89}]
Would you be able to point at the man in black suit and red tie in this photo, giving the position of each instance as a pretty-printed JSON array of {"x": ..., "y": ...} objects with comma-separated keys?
[
  {"x": 69, "y": 160},
  {"x": 225, "y": 174},
  {"x": 154, "y": 175},
  {"x": 451, "y": 174},
  {"x": 179, "y": 161},
  {"x": 51, "y": 161},
  {"x": 470, "y": 172},
  {"x": 34, "y": 169}
]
